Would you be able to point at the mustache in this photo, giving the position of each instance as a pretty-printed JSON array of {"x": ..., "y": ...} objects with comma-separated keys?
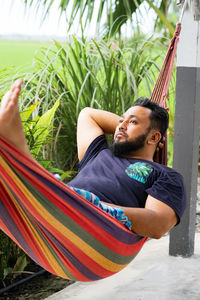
[{"x": 122, "y": 132}]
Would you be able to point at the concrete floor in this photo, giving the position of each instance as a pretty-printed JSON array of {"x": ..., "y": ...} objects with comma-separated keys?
[{"x": 153, "y": 275}]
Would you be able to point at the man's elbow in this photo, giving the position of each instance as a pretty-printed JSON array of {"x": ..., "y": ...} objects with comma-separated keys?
[
  {"x": 158, "y": 233},
  {"x": 151, "y": 233},
  {"x": 161, "y": 227},
  {"x": 85, "y": 111}
]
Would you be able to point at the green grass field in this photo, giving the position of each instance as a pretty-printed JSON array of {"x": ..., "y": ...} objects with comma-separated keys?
[{"x": 19, "y": 54}]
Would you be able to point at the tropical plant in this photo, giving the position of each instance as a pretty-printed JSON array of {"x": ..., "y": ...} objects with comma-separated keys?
[{"x": 102, "y": 74}]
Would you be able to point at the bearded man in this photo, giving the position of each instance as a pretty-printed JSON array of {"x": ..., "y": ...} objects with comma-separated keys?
[{"x": 122, "y": 176}]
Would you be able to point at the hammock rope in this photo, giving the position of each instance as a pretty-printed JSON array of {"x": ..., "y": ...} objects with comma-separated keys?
[
  {"x": 60, "y": 230},
  {"x": 160, "y": 91}
]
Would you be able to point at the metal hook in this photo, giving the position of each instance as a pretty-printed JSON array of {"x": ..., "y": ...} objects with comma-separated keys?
[
  {"x": 179, "y": 2},
  {"x": 194, "y": 5}
]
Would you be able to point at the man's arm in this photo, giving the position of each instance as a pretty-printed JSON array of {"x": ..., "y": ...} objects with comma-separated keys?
[
  {"x": 92, "y": 123},
  {"x": 153, "y": 221}
]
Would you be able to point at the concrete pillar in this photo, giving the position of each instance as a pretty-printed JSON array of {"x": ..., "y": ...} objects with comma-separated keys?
[{"x": 187, "y": 130}]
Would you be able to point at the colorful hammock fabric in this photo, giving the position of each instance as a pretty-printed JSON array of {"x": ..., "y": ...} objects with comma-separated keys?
[{"x": 58, "y": 228}]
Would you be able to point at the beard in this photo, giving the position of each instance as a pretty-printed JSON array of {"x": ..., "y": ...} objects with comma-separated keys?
[{"x": 122, "y": 149}]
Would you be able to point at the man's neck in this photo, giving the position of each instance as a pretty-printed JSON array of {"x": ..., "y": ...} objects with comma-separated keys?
[{"x": 146, "y": 155}]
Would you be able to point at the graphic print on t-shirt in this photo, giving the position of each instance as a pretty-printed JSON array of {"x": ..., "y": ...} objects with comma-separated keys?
[{"x": 139, "y": 171}]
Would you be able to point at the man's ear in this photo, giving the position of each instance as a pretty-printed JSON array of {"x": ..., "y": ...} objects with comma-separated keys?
[{"x": 154, "y": 137}]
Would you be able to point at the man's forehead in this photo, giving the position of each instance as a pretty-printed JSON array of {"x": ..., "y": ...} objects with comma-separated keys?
[{"x": 137, "y": 111}]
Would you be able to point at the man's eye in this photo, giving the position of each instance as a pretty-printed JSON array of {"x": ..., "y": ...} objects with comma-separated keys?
[
  {"x": 133, "y": 121},
  {"x": 121, "y": 120}
]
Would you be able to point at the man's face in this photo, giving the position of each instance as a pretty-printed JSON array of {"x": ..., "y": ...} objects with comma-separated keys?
[{"x": 132, "y": 131}]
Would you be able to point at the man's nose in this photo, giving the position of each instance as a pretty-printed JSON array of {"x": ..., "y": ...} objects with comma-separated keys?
[{"x": 123, "y": 125}]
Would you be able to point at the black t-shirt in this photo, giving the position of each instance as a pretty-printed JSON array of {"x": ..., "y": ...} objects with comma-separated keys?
[{"x": 128, "y": 182}]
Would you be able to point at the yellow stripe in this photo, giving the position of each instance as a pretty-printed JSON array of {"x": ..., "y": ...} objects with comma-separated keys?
[
  {"x": 42, "y": 246},
  {"x": 87, "y": 249}
]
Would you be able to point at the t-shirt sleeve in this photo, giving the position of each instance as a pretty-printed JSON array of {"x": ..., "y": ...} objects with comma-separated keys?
[
  {"x": 169, "y": 188},
  {"x": 97, "y": 145}
]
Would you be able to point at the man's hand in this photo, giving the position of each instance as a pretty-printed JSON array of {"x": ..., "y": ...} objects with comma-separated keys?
[
  {"x": 161, "y": 144},
  {"x": 159, "y": 148}
]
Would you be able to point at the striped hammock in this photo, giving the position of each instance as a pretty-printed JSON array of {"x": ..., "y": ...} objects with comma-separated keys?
[{"x": 60, "y": 230}]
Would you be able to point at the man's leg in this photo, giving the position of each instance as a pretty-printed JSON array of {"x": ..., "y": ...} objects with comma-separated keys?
[{"x": 10, "y": 123}]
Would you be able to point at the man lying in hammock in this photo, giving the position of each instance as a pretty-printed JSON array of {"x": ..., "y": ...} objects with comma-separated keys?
[{"x": 123, "y": 174}]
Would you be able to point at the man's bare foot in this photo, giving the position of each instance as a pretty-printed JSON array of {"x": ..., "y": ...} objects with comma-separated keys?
[{"x": 10, "y": 123}]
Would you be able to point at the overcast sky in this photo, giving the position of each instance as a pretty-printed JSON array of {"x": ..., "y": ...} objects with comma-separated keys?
[{"x": 15, "y": 20}]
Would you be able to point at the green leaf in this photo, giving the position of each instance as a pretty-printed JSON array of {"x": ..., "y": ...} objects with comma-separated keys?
[
  {"x": 6, "y": 272},
  {"x": 43, "y": 127},
  {"x": 25, "y": 115},
  {"x": 44, "y": 163},
  {"x": 67, "y": 174},
  {"x": 20, "y": 265},
  {"x": 162, "y": 17}
]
